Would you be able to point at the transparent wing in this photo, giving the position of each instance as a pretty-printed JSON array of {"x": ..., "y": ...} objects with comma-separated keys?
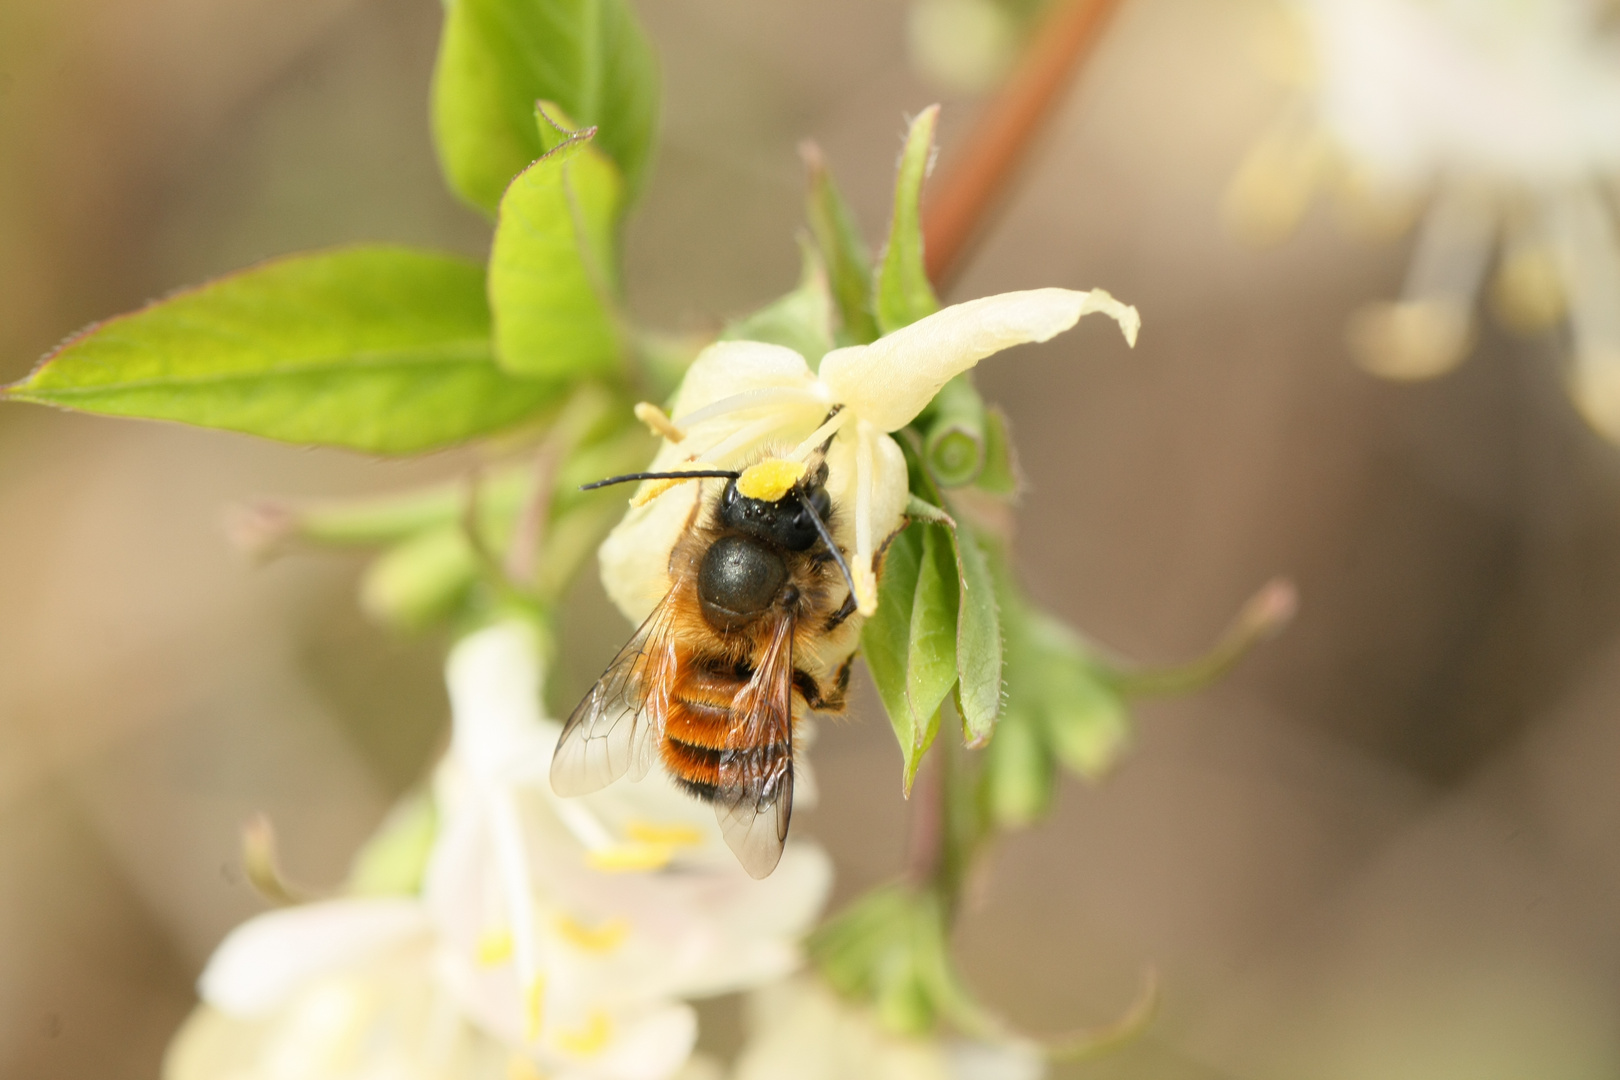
[
  {"x": 754, "y": 797},
  {"x": 617, "y": 728}
]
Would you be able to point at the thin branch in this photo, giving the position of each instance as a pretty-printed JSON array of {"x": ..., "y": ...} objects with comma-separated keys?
[{"x": 1005, "y": 130}]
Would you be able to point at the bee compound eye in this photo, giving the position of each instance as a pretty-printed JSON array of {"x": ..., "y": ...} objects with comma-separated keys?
[{"x": 738, "y": 579}]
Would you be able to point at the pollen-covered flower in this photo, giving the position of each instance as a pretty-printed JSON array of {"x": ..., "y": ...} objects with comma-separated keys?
[
  {"x": 801, "y": 1030},
  {"x": 1503, "y": 117},
  {"x": 744, "y": 400},
  {"x": 552, "y": 938}
]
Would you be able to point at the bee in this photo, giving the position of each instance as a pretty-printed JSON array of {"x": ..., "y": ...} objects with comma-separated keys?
[{"x": 712, "y": 682}]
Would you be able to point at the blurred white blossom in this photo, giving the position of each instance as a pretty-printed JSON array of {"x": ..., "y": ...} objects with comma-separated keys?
[
  {"x": 552, "y": 938},
  {"x": 742, "y": 400},
  {"x": 1500, "y": 120},
  {"x": 800, "y": 1030}
]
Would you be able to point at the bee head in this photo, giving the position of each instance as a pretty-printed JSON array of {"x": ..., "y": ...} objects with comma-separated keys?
[{"x": 787, "y": 522}]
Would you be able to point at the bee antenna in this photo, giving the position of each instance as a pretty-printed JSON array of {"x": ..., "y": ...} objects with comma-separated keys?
[
  {"x": 693, "y": 474},
  {"x": 826, "y": 537}
]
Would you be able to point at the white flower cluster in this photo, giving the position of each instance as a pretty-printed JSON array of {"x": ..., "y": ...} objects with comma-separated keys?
[
  {"x": 553, "y": 938},
  {"x": 1503, "y": 118}
]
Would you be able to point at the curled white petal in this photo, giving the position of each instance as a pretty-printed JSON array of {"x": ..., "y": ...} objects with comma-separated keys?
[
  {"x": 267, "y": 959},
  {"x": 890, "y": 381}
]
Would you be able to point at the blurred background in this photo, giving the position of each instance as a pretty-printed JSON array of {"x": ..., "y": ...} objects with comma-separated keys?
[{"x": 1385, "y": 848}]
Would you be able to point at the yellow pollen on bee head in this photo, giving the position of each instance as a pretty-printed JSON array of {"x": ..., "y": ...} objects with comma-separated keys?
[
  {"x": 770, "y": 479},
  {"x": 589, "y": 1040},
  {"x": 658, "y": 422},
  {"x": 494, "y": 947},
  {"x": 593, "y": 939}
]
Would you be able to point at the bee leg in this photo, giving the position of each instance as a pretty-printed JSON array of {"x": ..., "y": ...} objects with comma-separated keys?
[
  {"x": 845, "y": 610},
  {"x": 825, "y": 703}
]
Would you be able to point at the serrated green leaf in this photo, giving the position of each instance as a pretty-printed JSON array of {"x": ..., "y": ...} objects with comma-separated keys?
[
  {"x": 498, "y": 57},
  {"x": 903, "y": 292},
  {"x": 849, "y": 265},
  {"x": 381, "y": 349},
  {"x": 979, "y": 650},
  {"x": 801, "y": 320},
  {"x": 552, "y": 272}
]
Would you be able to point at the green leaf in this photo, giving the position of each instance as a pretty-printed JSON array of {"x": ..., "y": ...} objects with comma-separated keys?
[
  {"x": 1019, "y": 774},
  {"x": 381, "y": 349},
  {"x": 498, "y": 57},
  {"x": 849, "y": 266},
  {"x": 1086, "y": 721},
  {"x": 904, "y": 293},
  {"x": 910, "y": 641},
  {"x": 931, "y": 650},
  {"x": 886, "y": 635},
  {"x": 552, "y": 273},
  {"x": 978, "y": 641},
  {"x": 801, "y": 320}
]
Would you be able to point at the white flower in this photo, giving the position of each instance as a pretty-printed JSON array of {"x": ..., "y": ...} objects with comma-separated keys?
[
  {"x": 741, "y": 399},
  {"x": 1505, "y": 116},
  {"x": 800, "y": 1030},
  {"x": 628, "y": 895},
  {"x": 553, "y": 936}
]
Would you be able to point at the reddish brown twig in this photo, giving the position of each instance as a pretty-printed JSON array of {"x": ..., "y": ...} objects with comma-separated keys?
[{"x": 1002, "y": 136}]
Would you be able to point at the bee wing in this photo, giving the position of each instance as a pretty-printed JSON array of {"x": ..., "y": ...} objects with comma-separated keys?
[
  {"x": 617, "y": 728},
  {"x": 754, "y": 800}
]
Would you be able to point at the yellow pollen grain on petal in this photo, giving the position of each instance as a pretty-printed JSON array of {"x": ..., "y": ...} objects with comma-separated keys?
[
  {"x": 593, "y": 939},
  {"x": 677, "y": 834},
  {"x": 629, "y": 858},
  {"x": 534, "y": 1009},
  {"x": 658, "y": 422},
  {"x": 770, "y": 479},
  {"x": 589, "y": 1040},
  {"x": 519, "y": 1067},
  {"x": 494, "y": 947}
]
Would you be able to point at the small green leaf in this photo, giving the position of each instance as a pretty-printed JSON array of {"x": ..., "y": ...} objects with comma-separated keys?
[
  {"x": 904, "y": 293},
  {"x": 381, "y": 349},
  {"x": 1019, "y": 774},
  {"x": 498, "y": 57},
  {"x": 910, "y": 641},
  {"x": 920, "y": 509},
  {"x": 552, "y": 273},
  {"x": 886, "y": 636},
  {"x": 849, "y": 266},
  {"x": 978, "y": 641},
  {"x": 801, "y": 320},
  {"x": 1086, "y": 720},
  {"x": 931, "y": 650}
]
